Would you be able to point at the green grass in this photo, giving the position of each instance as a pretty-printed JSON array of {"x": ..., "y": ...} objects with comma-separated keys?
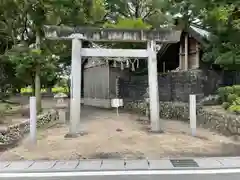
[
  {"x": 54, "y": 90},
  {"x": 7, "y": 107}
]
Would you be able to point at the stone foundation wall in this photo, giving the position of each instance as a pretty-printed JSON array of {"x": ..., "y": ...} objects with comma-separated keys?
[
  {"x": 172, "y": 86},
  {"x": 12, "y": 134},
  {"x": 226, "y": 124},
  {"x": 103, "y": 103}
]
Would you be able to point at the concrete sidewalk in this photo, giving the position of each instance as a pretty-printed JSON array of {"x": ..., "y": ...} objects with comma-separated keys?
[
  {"x": 167, "y": 169},
  {"x": 106, "y": 165}
]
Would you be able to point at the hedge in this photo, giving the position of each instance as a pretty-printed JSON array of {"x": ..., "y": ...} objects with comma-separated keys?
[{"x": 43, "y": 90}]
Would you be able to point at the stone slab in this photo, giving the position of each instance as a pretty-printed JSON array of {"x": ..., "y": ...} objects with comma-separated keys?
[
  {"x": 136, "y": 164},
  {"x": 230, "y": 162},
  {"x": 160, "y": 164},
  {"x": 110, "y": 164},
  {"x": 89, "y": 165},
  {"x": 4, "y": 164},
  {"x": 18, "y": 165},
  {"x": 42, "y": 165},
  {"x": 61, "y": 165},
  {"x": 208, "y": 162}
]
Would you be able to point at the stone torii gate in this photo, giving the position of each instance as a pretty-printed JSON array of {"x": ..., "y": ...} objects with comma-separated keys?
[{"x": 77, "y": 35}]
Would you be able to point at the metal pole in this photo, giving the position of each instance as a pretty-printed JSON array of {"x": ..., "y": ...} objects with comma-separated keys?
[
  {"x": 33, "y": 120},
  {"x": 193, "y": 113}
]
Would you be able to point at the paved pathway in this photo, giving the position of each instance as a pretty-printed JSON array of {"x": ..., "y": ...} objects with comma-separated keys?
[{"x": 169, "y": 169}]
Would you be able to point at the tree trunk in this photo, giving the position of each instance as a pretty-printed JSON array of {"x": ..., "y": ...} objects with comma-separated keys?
[
  {"x": 137, "y": 8},
  {"x": 69, "y": 87},
  {"x": 33, "y": 85},
  {"x": 37, "y": 79},
  {"x": 38, "y": 89},
  {"x": 49, "y": 90}
]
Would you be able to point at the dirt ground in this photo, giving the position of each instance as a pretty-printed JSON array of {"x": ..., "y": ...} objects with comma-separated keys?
[
  {"x": 15, "y": 113},
  {"x": 115, "y": 137}
]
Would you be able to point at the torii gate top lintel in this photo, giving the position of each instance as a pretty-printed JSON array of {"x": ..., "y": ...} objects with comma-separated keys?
[{"x": 117, "y": 35}]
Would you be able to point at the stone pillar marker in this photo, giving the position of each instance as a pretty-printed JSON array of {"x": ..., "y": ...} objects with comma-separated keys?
[
  {"x": 193, "y": 113},
  {"x": 153, "y": 87},
  {"x": 61, "y": 106},
  {"x": 33, "y": 120}
]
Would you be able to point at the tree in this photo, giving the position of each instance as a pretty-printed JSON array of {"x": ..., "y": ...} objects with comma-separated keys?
[
  {"x": 128, "y": 23},
  {"x": 33, "y": 15},
  {"x": 224, "y": 22},
  {"x": 153, "y": 12},
  {"x": 7, "y": 39},
  {"x": 24, "y": 23}
]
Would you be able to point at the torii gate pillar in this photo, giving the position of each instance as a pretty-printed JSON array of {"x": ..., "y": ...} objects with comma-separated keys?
[
  {"x": 153, "y": 87},
  {"x": 75, "y": 101}
]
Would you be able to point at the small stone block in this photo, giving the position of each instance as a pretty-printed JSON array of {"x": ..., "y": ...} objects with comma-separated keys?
[
  {"x": 42, "y": 165},
  {"x": 136, "y": 164},
  {"x": 110, "y": 164},
  {"x": 89, "y": 165},
  {"x": 155, "y": 132},
  {"x": 160, "y": 164},
  {"x": 70, "y": 135},
  {"x": 75, "y": 135},
  {"x": 230, "y": 162},
  {"x": 208, "y": 162},
  {"x": 61, "y": 165},
  {"x": 4, "y": 164},
  {"x": 83, "y": 133},
  {"x": 18, "y": 165}
]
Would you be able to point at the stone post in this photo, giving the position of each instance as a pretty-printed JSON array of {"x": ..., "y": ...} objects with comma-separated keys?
[
  {"x": 33, "y": 120},
  {"x": 193, "y": 113},
  {"x": 76, "y": 72},
  {"x": 153, "y": 88},
  {"x": 62, "y": 107}
]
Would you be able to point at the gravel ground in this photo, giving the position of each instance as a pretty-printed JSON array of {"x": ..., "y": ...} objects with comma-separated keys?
[{"x": 111, "y": 136}]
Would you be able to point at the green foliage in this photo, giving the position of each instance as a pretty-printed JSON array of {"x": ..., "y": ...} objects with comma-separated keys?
[
  {"x": 128, "y": 23},
  {"x": 224, "y": 49},
  {"x": 236, "y": 101},
  {"x": 236, "y": 89},
  {"x": 229, "y": 90},
  {"x": 235, "y": 109},
  {"x": 231, "y": 98},
  {"x": 221, "y": 93},
  {"x": 154, "y": 12},
  {"x": 27, "y": 59},
  {"x": 226, "y": 105},
  {"x": 96, "y": 12},
  {"x": 224, "y": 92},
  {"x": 43, "y": 90}
]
